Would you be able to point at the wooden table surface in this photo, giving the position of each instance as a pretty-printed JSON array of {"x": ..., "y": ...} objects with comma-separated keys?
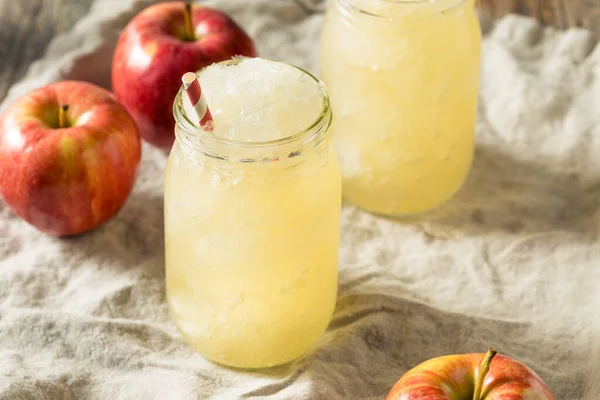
[{"x": 27, "y": 26}]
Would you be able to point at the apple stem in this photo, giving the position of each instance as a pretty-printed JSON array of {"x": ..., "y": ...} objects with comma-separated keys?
[
  {"x": 482, "y": 371},
  {"x": 61, "y": 115},
  {"x": 189, "y": 30}
]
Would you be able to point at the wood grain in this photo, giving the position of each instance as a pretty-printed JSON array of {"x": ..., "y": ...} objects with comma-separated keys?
[{"x": 27, "y": 26}]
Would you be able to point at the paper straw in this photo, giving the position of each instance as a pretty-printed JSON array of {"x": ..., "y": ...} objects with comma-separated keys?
[{"x": 194, "y": 92}]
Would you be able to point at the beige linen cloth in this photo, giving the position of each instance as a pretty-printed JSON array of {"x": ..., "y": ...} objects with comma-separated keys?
[{"x": 513, "y": 261}]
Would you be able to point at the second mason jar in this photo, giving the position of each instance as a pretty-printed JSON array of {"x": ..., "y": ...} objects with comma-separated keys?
[
  {"x": 403, "y": 78},
  {"x": 252, "y": 215}
]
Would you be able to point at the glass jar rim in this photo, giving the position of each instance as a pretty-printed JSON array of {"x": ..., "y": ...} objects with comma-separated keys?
[
  {"x": 182, "y": 119},
  {"x": 350, "y": 3}
]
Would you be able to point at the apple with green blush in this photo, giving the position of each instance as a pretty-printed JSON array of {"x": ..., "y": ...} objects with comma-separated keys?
[{"x": 69, "y": 154}]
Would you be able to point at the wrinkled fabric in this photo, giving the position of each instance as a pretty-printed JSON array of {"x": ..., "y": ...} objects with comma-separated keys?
[{"x": 513, "y": 261}]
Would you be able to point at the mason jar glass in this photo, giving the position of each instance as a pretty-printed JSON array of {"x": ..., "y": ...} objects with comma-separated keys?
[
  {"x": 403, "y": 77},
  {"x": 252, "y": 233}
]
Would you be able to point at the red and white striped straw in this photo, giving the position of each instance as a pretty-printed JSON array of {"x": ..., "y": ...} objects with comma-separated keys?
[{"x": 194, "y": 92}]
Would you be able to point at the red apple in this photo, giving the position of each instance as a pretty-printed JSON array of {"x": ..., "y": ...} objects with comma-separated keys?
[
  {"x": 157, "y": 47},
  {"x": 471, "y": 377},
  {"x": 69, "y": 154}
]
